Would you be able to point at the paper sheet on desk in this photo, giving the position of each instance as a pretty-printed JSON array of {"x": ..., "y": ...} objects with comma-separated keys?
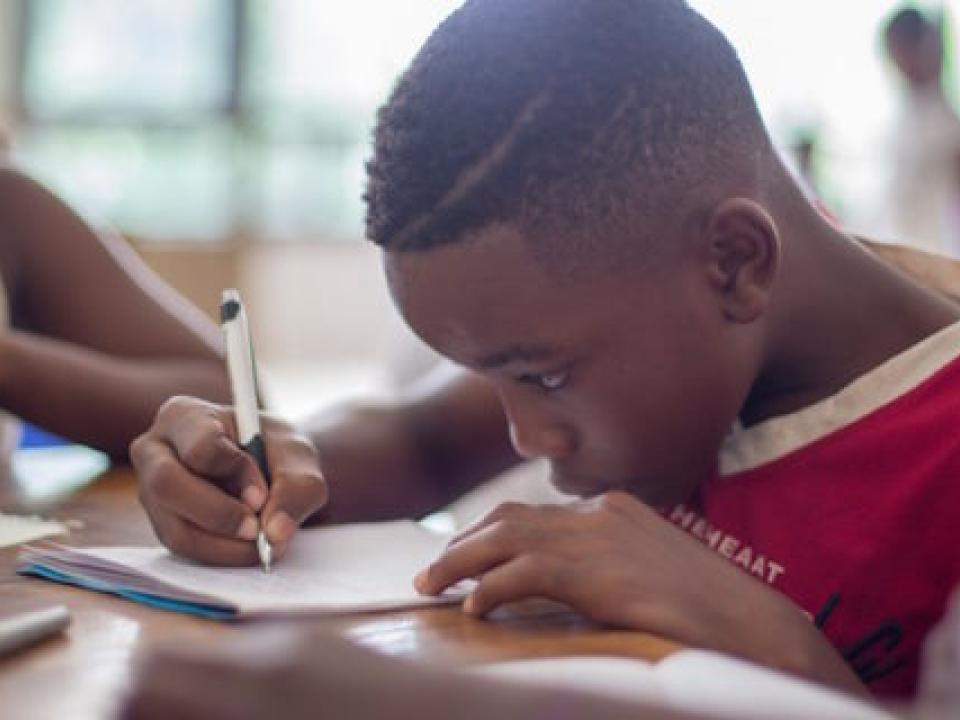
[
  {"x": 694, "y": 681},
  {"x": 349, "y": 568},
  {"x": 18, "y": 529}
]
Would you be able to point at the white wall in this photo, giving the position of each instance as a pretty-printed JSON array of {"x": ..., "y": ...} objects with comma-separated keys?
[
  {"x": 321, "y": 303},
  {"x": 324, "y": 324}
]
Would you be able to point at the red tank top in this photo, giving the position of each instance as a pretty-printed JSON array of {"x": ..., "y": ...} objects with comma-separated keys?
[{"x": 851, "y": 508}]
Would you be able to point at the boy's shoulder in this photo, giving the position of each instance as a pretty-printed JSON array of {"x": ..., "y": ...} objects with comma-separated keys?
[
  {"x": 903, "y": 401},
  {"x": 933, "y": 271}
]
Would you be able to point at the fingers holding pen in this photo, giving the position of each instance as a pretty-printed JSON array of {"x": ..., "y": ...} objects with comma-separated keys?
[
  {"x": 298, "y": 488},
  {"x": 190, "y": 467},
  {"x": 195, "y": 483},
  {"x": 204, "y": 438},
  {"x": 172, "y": 487},
  {"x": 187, "y": 540},
  {"x": 191, "y": 517}
]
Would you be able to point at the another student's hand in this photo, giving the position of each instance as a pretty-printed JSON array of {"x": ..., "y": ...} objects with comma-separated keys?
[
  {"x": 272, "y": 673},
  {"x": 288, "y": 673},
  {"x": 203, "y": 494}
]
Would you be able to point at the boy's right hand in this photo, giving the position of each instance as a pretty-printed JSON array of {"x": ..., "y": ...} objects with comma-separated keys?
[{"x": 205, "y": 496}]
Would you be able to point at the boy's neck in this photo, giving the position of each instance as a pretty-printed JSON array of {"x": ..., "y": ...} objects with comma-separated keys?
[{"x": 843, "y": 313}]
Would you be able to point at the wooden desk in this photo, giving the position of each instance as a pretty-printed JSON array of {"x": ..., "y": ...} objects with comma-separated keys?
[{"x": 82, "y": 674}]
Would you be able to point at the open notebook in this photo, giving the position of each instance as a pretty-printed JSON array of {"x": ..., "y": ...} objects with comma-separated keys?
[
  {"x": 694, "y": 681},
  {"x": 344, "y": 569}
]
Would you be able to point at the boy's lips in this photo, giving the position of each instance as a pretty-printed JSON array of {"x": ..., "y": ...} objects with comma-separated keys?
[{"x": 578, "y": 485}]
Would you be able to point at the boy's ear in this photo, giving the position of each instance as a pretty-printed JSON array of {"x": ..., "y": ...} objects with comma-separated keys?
[{"x": 743, "y": 256}]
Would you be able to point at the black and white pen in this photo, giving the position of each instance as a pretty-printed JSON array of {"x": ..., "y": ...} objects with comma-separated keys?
[{"x": 242, "y": 369}]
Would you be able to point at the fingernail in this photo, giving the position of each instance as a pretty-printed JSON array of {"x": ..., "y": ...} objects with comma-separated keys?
[
  {"x": 280, "y": 528},
  {"x": 469, "y": 605},
  {"x": 249, "y": 528},
  {"x": 420, "y": 581},
  {"x": 254, "y": 496}
]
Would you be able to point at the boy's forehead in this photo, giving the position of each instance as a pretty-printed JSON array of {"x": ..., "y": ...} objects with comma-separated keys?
[
  {"x": 497, "y": 257},
  {"x": 485, "y": 293}
]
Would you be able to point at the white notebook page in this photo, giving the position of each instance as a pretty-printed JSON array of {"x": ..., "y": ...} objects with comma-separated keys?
[
  {"x": 693, "y": 681},
  {"x": 337, "y": 569}
]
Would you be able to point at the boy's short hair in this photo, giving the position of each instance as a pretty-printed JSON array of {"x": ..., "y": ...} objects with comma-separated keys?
[{"x": 559, "y": 114}]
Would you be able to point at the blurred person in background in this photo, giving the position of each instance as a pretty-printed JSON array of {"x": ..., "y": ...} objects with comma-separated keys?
[
  {"x": 91, "y": 341},
  {"x": 924, "y": 191}
]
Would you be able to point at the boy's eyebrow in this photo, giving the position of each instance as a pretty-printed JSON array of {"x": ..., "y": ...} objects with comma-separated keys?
[{"x": 517, "y": 353}]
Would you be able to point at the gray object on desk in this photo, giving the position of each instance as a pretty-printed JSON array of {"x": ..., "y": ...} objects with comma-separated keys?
[{"x": 20, "y": 631}]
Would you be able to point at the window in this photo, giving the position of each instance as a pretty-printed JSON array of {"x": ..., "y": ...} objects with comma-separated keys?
[
  {"x": 818, "y": 71},
  {"x": 204, "y": 119},
  {"x": 151, "y": 62},
  {"x": 200, "y": 120}
]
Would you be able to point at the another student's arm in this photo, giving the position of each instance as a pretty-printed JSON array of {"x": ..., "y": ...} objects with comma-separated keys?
[
  {"x": 286, "y": 674},
  {"x": 372, "y": 462},
  {"x": 97, "y": 341}
]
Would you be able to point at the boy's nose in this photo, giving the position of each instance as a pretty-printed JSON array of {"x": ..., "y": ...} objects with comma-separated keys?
[{"x": 534, "y": 440}]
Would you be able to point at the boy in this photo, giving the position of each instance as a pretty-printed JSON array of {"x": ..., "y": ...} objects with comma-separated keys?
[{"x": 578, "y": 202}]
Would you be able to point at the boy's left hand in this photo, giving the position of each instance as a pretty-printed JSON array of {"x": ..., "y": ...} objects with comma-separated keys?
[
  {"x": 611, "y": 558},
  {"x": 619, "y": 562}
]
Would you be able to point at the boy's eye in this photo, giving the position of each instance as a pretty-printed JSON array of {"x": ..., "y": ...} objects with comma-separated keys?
[{"x": 546, "y": 381}]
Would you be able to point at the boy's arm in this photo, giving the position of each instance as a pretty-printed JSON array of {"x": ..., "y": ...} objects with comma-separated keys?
[
  {"x": 204, "y": 495},
  {"x": 444, "y": 437}
]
